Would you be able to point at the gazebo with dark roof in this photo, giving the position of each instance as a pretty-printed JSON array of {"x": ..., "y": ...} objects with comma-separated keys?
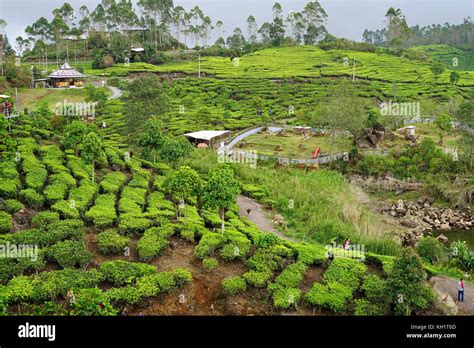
[{"x": 66, "y": 77}]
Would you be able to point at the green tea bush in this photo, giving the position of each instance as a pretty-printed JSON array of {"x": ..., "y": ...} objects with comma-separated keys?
[
  {"x": 92, "y": 302},
  {"x": 9, "y": 187},
  {"x": 187, "y": 234},
  {"x": 364, "y": 307},
  {"x": 233, "y": 285},
  {"x": 113, "y": 182},
  {"x": 151, "y": 245},
  {"x": 208, "y": 244},
  {"x": 32, "y": 198},
  {"x": 124, "y": 295},
  {"x": 44, "y": 218},
  {"x": 311, "y": 254},
  {"x": 103, "y": 214},
  {"x": 284, "y": 298},
  {"x": 111, "y": 242},
  {"x": 348, "y": 272},
  {"x": 50, "y": 285},
  {"x": 122, "y": 272},
  {"x": 10, "y": 267},
  {"x": 257, "y": 279},
  {"x": 263, "y": 261},
  {"x": 333, "y": 296},
  {"x": 66, "y": 209},
  {"x": 292, "y": 276},
  {"x": 11, "y": 206},
  {"x": 210, "y": 264},
  {"x": 374, "y": 288},
  {"x": 133, "y": 225},
  {"x": 70, "y": 253},
  {"x": 55, "y": 192},
  {"x": 83, "y": 196},
  {"x": 6, "y": 222}
]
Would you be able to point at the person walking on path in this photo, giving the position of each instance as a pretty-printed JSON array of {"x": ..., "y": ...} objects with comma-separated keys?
[{"x": 461, "y": 290}]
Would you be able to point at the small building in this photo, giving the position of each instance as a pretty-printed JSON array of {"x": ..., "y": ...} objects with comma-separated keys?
[
  {"x": 66, "y": 77},
  {"x": 209, "y": 137}
]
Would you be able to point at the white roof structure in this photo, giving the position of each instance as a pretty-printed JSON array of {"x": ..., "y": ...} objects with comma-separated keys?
[
  {"x": 65, "y": 72},
  {"x": 137, "y": 49},
  {"x": 206, "y": 134}
]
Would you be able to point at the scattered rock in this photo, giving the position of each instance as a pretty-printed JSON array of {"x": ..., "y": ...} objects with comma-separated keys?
[
  {"x": 443, "y": 239},
  {"x": 279, "y": 220}
]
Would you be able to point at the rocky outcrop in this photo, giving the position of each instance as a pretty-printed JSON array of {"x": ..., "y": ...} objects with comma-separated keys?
[
  {"x": 371, "y": 138},
  {"x": 385, "y": 184},
  {"x": 421, "y": 218}
]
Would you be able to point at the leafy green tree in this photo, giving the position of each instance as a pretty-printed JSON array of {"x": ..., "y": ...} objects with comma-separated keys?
[
  {"x": 173, "y": 149},
  {"x": 147, "y": 97},
  {"x": 454, "y": 77},
  {"x": 42, "y": 115},
  {"x": 437, "y": 69},
  {"x": 444, "y": 124},
  {"x": 94, "y": 94},
  {"x": 397, "y": 28},
  {"x": 406, "y": 284},
  {"x": 74, "y": 134},
  {"x": 152, "y": 137},
  {"x": 342, "y": 110},
  {"x": 92, "y": 150},
  {"x": 220, "y": 190},
  {"x": 183, "y": 184},
  {"x": 314, "y": 17}
]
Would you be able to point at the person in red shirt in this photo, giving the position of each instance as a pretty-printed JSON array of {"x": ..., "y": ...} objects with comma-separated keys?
[{"x": 461, "y": 290}]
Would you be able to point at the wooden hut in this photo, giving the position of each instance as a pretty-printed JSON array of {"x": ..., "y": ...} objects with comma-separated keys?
[{"x": 65, "y": 77}]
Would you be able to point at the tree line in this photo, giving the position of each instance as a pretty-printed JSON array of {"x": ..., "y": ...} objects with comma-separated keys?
[{"x": 397, "y": 34}]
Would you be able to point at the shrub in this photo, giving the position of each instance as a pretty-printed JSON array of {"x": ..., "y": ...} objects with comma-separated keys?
[
  {"x": 55, "y": 192},
  {"x": 346, "y": 271},
  {"x": 266, "y": 240},
  {"x": 374, "y": 288},
  {"x": 283, "y": 298},
  {"x": 113, "y": 182},
  {"x": 233, "y": 285},
  {"x": 208, "y": 244},
  {"x": 32, "y": 198},
  {"x": 111, "y": 242},
  {"x": 151, "y": 245},
  {"x": 70, "y": 253},
  {"x": 12, "y": 206},
  {"x": 44, "y": 219},
  {"x": 406, "y": 284},
  {"x": 103, "y": 214},
  {"x": 210, "y": 264},
  {"x": 92, "y": 302},
  {"x": 9, "y": 187},
  {"x": 127, "y": 294},
  {"x": 333, "y": 296},
  {"x": 257, "y": 279},
  {"x": 66, "y": 209},
  {"x": 122, "y": 272},
  {"x": 6, "y": 222},
  {"x": 230, "y": 252},
  {"x": 263, "y": 261},
  {"x": 187, "y": 234},
  {"x": 430, "y": 249},
  {"x": 292, "y": 276},
  {"x": 130, "y": 224},
  {"x": 365, "y": 308}
]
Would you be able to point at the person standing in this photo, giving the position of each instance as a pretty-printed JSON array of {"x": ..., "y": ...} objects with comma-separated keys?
[{"x": 461, "y": 290}]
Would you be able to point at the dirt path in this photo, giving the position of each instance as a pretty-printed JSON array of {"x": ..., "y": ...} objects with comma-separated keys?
[
  {"x": 258, "y": 216},
  {"x": 450, "y": 286}
]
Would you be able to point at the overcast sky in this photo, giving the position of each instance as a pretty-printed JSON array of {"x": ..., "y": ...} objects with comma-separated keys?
[{"x": 346, "y": 18}]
